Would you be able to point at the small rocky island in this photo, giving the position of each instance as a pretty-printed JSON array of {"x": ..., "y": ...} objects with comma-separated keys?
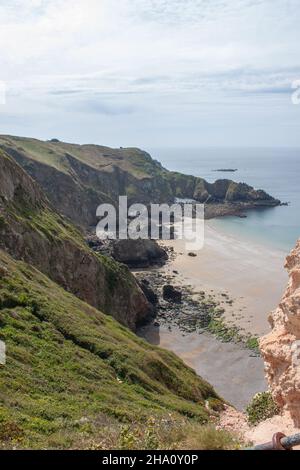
[{"x": 229, "y": 170}]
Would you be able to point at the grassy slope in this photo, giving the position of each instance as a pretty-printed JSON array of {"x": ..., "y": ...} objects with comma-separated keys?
[
  {"x": 101, "y": 158},
  {"x": 132, "y": 160},
  {"x": 66, "y": 360}
]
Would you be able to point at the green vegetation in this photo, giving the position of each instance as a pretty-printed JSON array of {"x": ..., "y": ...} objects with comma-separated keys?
[
  {"x": 40, "y": 218},
  {"x": 69, "y": 366},
  {"x": 215, "y": 404},
  {"x": 42, "y": 152},
  {"x": 261, "y": 408},
  {"x": 114, "y": 272},
  {"x": 58, "y": 155},
  {"x": 221, "y": 330},
  {"x": 252, "y": 343},
  {"x": 2, "y": 222},
  {"x": 131, "y": 191},
  {"x": 226, "y": 333},
  {"x": 182, "y": 185},
  {"x": 169, "y": 433}
]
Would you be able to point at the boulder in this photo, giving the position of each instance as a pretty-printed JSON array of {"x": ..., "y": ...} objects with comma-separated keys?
[
  {"x": 149, "y": 292},
  {"x": 171, "y": 294},
  {"x": 138, "y": 253}
]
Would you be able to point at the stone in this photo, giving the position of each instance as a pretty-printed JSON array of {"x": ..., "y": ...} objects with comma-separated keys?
[
  {"x": 171, "y": 294},
  {"x": 139, "y": 253},
  {"x": 148, "y": 292}
]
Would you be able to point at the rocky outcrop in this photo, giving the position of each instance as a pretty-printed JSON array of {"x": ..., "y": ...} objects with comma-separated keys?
[
  {"x": 149, "y": 292},
  {"x": 77, "y": 178},
  {"x": 138, "y": 253},
  {"x": 171, "y": 294},
  {"x": 281, "y": 348},
  {"x": 31, "y": 230}
]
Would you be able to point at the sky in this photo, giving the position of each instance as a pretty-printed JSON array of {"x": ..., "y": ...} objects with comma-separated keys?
[{"x": 151, "y": 73}]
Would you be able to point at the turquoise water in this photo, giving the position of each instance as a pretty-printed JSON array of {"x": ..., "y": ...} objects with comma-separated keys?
[{"x": 277, "y": 171}]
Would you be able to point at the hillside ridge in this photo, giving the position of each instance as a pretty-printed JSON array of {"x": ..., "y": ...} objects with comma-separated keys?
[{"x": 89, "y": 175}]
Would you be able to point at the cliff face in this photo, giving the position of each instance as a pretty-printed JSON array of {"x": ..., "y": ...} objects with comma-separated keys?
[
  {"x": 32, "y": 231},
  {"x": 77, "y": 178},
  {"x": 281, "y": 348}
]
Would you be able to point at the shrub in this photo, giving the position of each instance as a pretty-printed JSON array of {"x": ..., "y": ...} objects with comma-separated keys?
[
  {"x": 169, "y": 433},
  {"x": 2, "y": 222},
  {"x": 252, "y": 343},
  {"x": 261, "y": 407},
  {"x": 9, "y": 429},
  {"x": 210, "y": 438},
  {"x": 128, "y": 440},
  {"x": 215, "y": 404}
]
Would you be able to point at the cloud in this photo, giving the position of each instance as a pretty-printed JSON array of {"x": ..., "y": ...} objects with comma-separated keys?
[{"x": 154, "y": 57}]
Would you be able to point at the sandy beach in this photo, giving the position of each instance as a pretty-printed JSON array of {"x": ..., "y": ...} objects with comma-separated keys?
[
  {"x": 253, "y": 278},
  {"x": 252, "y": 275}
]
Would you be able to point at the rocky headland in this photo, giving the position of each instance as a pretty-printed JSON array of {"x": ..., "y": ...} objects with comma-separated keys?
[{"x": 88, "y": 175}]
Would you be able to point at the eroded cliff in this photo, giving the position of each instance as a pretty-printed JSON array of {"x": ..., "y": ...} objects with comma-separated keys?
[
  {"x": 32, "y": 231},
  {"x": 281, "y": 347}
]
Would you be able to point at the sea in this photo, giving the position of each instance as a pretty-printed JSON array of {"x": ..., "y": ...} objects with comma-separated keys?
[{"x": 275, "y": 170}]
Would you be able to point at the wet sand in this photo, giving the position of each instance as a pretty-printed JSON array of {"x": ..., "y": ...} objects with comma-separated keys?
[
  {"x": 252, "y": 275},
  {"x": 253, "y": 278},
  {"x": 235, "y": 373}
]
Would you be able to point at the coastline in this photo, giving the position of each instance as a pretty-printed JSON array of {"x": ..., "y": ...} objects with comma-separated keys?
[
  {"x": 246, "y": 280},
  {"x": 250, "y": 274},
  {"x": 235, "y": 373}
]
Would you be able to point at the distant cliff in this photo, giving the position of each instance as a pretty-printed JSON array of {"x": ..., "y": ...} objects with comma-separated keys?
[
  {"x": 281, "y": 347},
  {"x": 77, "y": 178}
]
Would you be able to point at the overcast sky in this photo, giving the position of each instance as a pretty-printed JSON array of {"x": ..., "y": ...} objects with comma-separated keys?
[{"x": 151, "y": 73}]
